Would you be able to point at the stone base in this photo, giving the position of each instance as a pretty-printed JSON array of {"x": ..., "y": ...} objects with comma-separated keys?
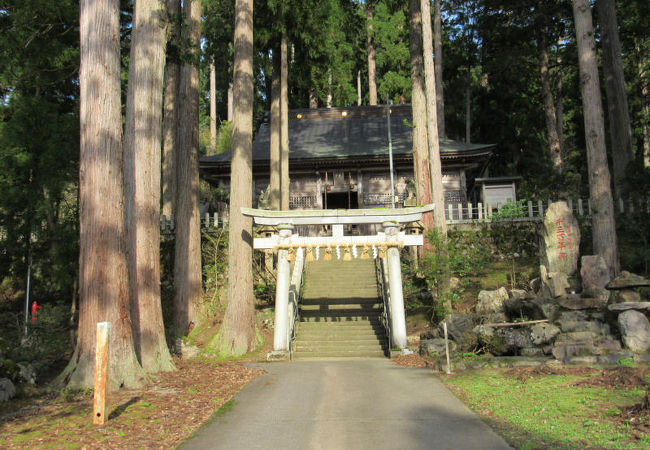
[{"x": 278, "y": 355}]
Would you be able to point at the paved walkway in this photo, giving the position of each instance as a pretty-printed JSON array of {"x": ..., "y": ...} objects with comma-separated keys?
[{"x": 361, "y": 404}]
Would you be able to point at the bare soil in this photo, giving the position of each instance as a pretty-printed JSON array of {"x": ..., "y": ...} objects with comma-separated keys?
[{"x": 161, "y": 415}]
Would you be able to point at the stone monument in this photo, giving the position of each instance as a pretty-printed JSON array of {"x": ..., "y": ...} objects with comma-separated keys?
[{"x": 560, "y": 240}]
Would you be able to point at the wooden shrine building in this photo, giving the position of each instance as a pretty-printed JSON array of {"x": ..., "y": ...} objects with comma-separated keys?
[{"x": 339, "y": 159}]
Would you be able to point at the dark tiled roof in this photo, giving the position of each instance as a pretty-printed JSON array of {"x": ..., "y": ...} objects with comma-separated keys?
[{"x": 355, "y": 132}]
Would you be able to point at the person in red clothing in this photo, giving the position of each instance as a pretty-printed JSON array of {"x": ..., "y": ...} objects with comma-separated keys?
[{"x": 35, "y": 308}]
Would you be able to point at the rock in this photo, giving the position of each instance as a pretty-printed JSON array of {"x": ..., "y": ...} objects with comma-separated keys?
[
  {"x": 543, "y": 333},
  {"x": 595, "y": 276},
  {"x": 560, "y": 239},
  {"x": 484, "y": 334},
  {"x": 531, "y": 351},
  {"x": 557, "y": 284},
  {"x": 570, "y": 326},
  {"x": 576, "y": 302},
  {"x": 435, "y": 347},
  {"x": 635, "y": 331},
  {"x": 491, "y": 301},
  {"x": 185, "y": 350},
  {"x": 507, "y": 341},
  {"x": 532, "y": 308},
  {"x": 639, "y": 306},
  {"x": 627, "y": 296},
  {"x": 26, "y": 373},
  {"x": 466, "y": 342},
  {"x": 583, "y": 343},
  {"x": 628, "y": 280},
  {"x": 278, "y": 355},
  {"x": 493, "y": 318},
  {"x": 516, "y": 294},
  {"x": 7, "y": 389},
  {"x": 457, "y": 324},
  {"x": 535, "y": 285},
  {"x": 412, "y": 339},
  {"x": 430, "y": 334},
  {"x": 454, "y": 283}
]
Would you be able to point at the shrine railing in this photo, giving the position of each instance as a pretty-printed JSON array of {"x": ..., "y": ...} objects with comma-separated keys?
[
  {"x": 384, "y": 290},
  {"x": 294, "y": 296}
]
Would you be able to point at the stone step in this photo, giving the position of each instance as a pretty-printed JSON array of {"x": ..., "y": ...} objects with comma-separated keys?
[
  {"x": 339, "y": 292},
  {"x": 337, "y": 306},
  {"x": 341, "y": 338},
  {"x": 341, "y": 301},
  {"x": 338, "y": 316},
  {"x": 373, "y": 324},
  {"x": 301, "y": 343},
  {"x": 338, "y": 354}
]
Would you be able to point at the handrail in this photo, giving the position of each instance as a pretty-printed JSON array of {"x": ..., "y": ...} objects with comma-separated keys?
[
  {"x": 384, "y": 290},
  {"x": 295, "y": 285}
]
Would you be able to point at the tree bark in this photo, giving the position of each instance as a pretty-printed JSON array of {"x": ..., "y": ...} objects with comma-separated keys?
[
  {"x": 620, "y": 130},
  {"x": 275, "y": 175},
  {"x": 231, "y": 104},
  {"x": 359, "y": 88},
  {"x": 604, "y": 230},
  {"x": 103, "y": 276},
  {"x": 419, "y": 106},
  {"x": 237, "y": 334},
  {"x": 213, "y": 108},
  {"x": 372, "y": 65},
  {"x": 284, "y": 125},
  {"x": 432, "y": 121},
  {"x": 187, "y": 249},
  {"x": 142, "y": 155},
  {"x": 170, "y": 116},
  {"x": 645, "y": 108},
  {"x": 440, "y": 97},
  {"x": 555, "y": 149}
]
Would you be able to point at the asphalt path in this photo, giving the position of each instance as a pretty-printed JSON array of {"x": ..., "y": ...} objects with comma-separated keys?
[{"x": 360, "y": 404}]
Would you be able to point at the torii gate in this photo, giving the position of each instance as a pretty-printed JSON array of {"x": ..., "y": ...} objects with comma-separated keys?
[{"x": 388, "y": 241}]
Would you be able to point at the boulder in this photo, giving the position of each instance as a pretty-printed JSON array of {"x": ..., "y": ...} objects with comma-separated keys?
[
  {"x": 560, "y": 239},
  {"x": 543, "y": 333},
  {"x": 430, "y": 334},
  {"x": 516, "y": 294},
  {"x": 557, "y": 284},
  {"x": 639, "y": 306},
  {"x": 457, "y": 324},
  {"x": 627, "y": 280},
  {"x": 7, "y": 389},
  {"x": 531, "y": 352},
  {"x": 493, "y": 318},
  {"x": 595, "y": 276},
  {"x": 576, "y": 302},
  {"x": 490, "y": 302},
  {"x": 185, "y": 350},
  {"x": 507, "y": 341},
  {"x": 571, "y": 326},
  {"x": 454, "y": 283},
  {"x": 635, "y": 330},
  {"x": 26, "y": 373},
  {"x": 532, "y": 308},
  {"x": 583, "y": 343},
  {"x": 435, "y": 347},
  {"x": 627, "y": 295}
]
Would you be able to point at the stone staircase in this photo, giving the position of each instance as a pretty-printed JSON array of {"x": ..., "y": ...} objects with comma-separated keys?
[{"x": 340, "y": 312}]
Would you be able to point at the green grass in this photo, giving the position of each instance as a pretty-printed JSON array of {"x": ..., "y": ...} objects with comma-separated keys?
[{"x": 548, "y": 411}]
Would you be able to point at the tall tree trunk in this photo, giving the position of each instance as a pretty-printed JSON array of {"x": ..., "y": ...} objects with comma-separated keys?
[
  {"x": 187, "y": 249},
  {"x": 432, "y": 121},
  {"x": 645, "y": 109},
  {"x": 170, "y": 116},
  {"x": 604, "y": 230},
  {"x": 103, "y": 275},
  {"x": 372, "y": 65},
  {"x": 328, "y": 103},
  {"x": 559, "y": 108},
  {"x": 275, "y": 175},
  {"x": 440, "y": 96},
  {"x": 555, "y": 150},
  {"x": 231, "y": 103},
  {"x": 142, "y": 151},
  {"x": 468, "y": 111},
  {"x": 358, "y": 88},
  {"x": 284, "y": 125},
  {"x": 213, "y": 108},
  {"x": 620, "y": 130},
  {"x": 237, "y": 334},
  {"x": 419, "y": 106}
]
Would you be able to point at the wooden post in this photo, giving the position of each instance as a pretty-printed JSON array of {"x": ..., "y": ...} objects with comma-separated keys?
[
  {"x": 480, "y": 211},
  {"x": 216, "y": 219},
  {"x": 101, "y": 372},
  {"x": 581, "y": 210},
  {"x": 451, "y": 212},
  {"x": 470, "y": 213},
  {"x": 540, "y": 207},
  {"x": 444, "y": 326},
  {"x": 621, "y": 205},
  {"x": 460, "y": 211},
  {"x": 530, "y": 209}
]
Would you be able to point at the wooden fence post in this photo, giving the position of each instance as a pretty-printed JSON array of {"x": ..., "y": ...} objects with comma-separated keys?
[
  {"x": 530, "y": 209},
  {"x": 540, "y": 207},
  {"x": 581, "y": 211},
  {"x": 480, "y": 211},
  {"x": 470, "y": 212},
  {"x": 451, "y": 212},
  {"x": 101, "y": 372},
  {"x": 460, "y": 211}
]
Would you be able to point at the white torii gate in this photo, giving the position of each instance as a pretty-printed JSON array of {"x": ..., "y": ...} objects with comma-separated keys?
[{"x": 390, "y": 240}]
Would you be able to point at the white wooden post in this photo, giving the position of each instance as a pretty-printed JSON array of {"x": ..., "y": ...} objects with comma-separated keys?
[
  {"x": 215, "y": 218},
  {"x": 480, "y": 211},
  {"x": 450, "y": 210},
  {"x": 540, "y": 208},
  {"x": 460, "y": 211},
  {"x": 489, "y": 210},
  {"x": 530, "y": 209},
  {"x": 280, "y": 343},
  {"x": 172, "y": 222},
  {"x": 398, "y": 319},
  {"x": 581, "y": 211},
  {"x": 470, "y": 214}
]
